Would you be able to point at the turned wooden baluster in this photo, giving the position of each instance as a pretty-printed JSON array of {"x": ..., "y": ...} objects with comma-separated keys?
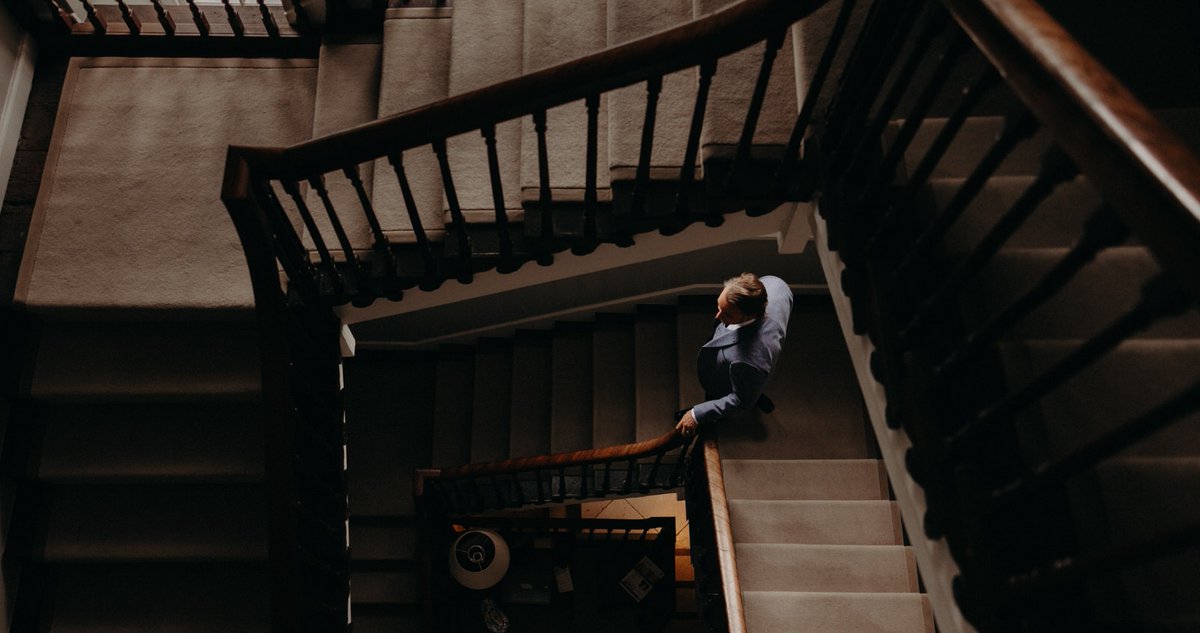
[
  {"x": 642, "y": 182},
  {"x": 742, "y": 155},
  {"x": 200, "y": 20},
  {"x": 164, "y": 18},
  {"x": 132, "y": 21},
  {"x": 687, "y": 173},
  {"x": 99, "y": 26},
  {"x": 268, "y": 20},
  {"x": 507, "y": 263},
  {"x": 235, "y": 20}
]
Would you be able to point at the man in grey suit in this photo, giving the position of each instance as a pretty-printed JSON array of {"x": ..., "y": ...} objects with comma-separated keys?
[{"x": 734, "y": 366}]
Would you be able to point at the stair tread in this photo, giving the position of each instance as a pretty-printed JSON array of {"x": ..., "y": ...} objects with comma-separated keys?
[
  {"x": 553, "y": 33},
  {"x": 529, "y": 433},
  {"x": 571, "y": 389},
  {"x": 403, "y": 86},
  {"x": 452, "y": 409},
  {"x": 768, "y": 611},
  {"x": 1136, "y": 376},
  {"x": 348, "y": 86},
  {"x": 485, "y": 48},
  {"x": 655, "y": 373},
  {"x": 858, "y": 522},
  {"x": 1058, "y": 220},
  {"x": 826, "y": 568},
  {"x": 147, "y": 360},
  {"x": 386, "y": 587},
  {"x": 144, "y": 598},
  {"x": 161, "y": 441},
  {"x": 492, "y": 401},
  {"x": 629, "y": 20},
  {"x": 371, "y": 542},
  {"x": 613, "y": 408},
  {"x": 1100, "y": 293},
  {"x": 389, "y": 402},
  {"x": 155, "y": 522},
  {"x": 821, "y": 479},
  {"x": 973, "y": 140}
]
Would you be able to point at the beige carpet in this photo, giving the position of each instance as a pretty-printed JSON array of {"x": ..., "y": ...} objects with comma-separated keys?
[{"x": 129, "y": 216}]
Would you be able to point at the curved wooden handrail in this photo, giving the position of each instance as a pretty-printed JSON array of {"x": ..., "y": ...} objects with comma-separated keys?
[
  {"x": 1117, "y": 141},
  {"x": 727, "y": 31},
  {"x": 665, "y": 442},
  {"x": 731, "y": 585}
]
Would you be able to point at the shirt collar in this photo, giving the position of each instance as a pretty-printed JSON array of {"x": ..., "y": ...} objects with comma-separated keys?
[{"x": 742, "y": 324}]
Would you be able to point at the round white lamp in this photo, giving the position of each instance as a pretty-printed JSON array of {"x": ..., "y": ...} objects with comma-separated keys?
[{"x": 479, "y": 559}]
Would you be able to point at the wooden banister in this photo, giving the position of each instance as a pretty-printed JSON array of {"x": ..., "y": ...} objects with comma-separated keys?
[
  {"x": 1132, "y": 157},
  {"x": 666, "y": 442},
  {"x": 731, "y": 585},
  {"x": 724, "y": 32}
]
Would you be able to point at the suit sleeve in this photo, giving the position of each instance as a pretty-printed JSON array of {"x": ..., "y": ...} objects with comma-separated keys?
[{"x": 747, "y": 382}]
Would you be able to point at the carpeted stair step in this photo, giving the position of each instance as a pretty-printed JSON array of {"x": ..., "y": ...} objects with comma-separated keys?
[
  {"x": 655, "y": 370},
  {"x": 348, "y": 79},
  {"x": 486, "y": 48},
  {"x": 134, "y": 360},
  {"x": 556, "y": 32},
  {"x": 529, "y": 432},
  {"x": 389, "y": 399},
  {"x": 970, "y": 144},
  {"x": 613, "y": 384},
  {"x": 629, "y": 20},
  {"x": 1057, "y": 222},
  {"x": 693, "y": 328},
  {"x": 387, "y": 618},
  {"x": 1103, "y": 291},
  {"x": 729, "y": 102},
  {"x": 153, "y": 441},
  {"x": 1137, "y": 376},
  {"x": 130, "y": 523},
  {"x": 405, "y": 85},
  {"x": 383, "y": 537},
  {"x": 799, "y": 479},
  {"x": 492, "y": 400},
  {"x": 156, "y": 597},
  {"x": 1114, "y": 510},
  {"x": 826, "y": 568},
  {"x": 385, "y": 582},
  {"x": 815, "y": 522},
  {"x": 571, "y": 388},
  {"x": 810, "y": 38},
  {"x": 455, "y": 379},
  {"x": 770, "y": 611}
]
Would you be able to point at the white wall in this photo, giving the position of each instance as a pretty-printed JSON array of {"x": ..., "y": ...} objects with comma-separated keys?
[{"x": 16, "y": 77}]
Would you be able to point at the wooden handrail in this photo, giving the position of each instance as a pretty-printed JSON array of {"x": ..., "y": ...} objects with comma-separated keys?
[
  {"x": 666, "y": 442},
  {"x": 724, "y": 32},
  {"x": 731, "y": 586},
  {"x": 1128, "y": 154}
]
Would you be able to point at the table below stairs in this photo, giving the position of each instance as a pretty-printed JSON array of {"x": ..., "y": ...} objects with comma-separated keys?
[{"x": 599, "y": 553}]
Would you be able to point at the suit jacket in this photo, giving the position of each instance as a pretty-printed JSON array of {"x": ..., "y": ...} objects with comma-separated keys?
[{"x": 734, "y": 366}]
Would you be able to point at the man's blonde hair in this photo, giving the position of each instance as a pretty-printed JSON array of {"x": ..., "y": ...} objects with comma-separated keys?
[{"x": 747, "y": 294}]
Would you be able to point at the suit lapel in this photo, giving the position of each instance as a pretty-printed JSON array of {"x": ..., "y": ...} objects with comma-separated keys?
[{"x": 724, "y": 337}]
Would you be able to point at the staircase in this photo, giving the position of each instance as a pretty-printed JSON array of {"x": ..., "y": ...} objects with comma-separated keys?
[
  {"x": 140, "y": 498},
  {"x": 131, "y": 511},
  {"x": 616, "y": 379}
]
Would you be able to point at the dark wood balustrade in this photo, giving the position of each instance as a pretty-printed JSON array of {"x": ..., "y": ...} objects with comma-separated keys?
[
  {"x": 718, "y": 588},
  {"x": 121, "y": 19},
  {"x": 360, "y": 274},
  {"x": 1005, "y": 514},
  {"x": 635, "y": 468}
]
